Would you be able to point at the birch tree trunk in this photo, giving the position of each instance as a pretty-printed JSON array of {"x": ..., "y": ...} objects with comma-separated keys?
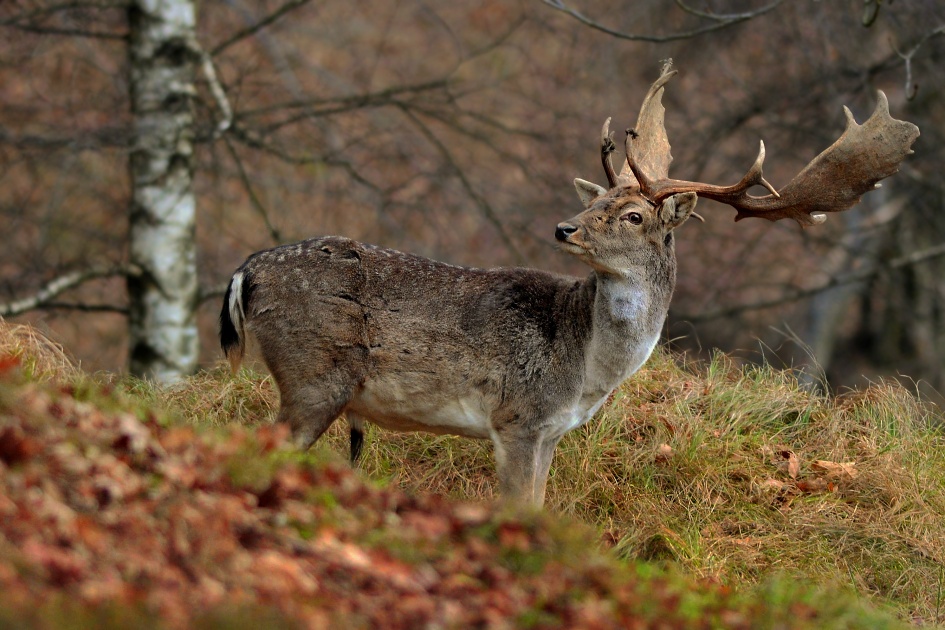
[{"x": 163, "y": 342}]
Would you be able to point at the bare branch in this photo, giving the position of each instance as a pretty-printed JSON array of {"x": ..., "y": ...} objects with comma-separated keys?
[
  {"x": 719, "y": 17},
  {"x": 799, "y": 294},
  {"x": 69, "y": 32},
  {"x": 258, "y": 26},
  {"x": 456, "y": 125},
  {"x": 216, "y": 89},
  {"x": 108, "y": 137},
  {"x": 29, "y": 21},
  {"x": 253, "y": 199},
  {"x": 254, "y": 141},
  {"x": 483, "y": 204},
  {"x": 912, "y": 88},
  {"x": 326, "y": 107},
  {"x": 72, "y": 5},
  {"x": 45, "y": 296},
  {"x": 82, "y": 307},
  {"x": 479, "y": 117},
  {"x": 718, "y": 22}
]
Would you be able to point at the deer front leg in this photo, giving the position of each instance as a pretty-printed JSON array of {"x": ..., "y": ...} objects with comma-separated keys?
[
  {"x": 545, "y": 455},
  {"x": 517, "y": 458}
]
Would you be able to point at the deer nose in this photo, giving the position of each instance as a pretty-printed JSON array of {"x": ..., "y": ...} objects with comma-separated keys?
[{"x": 564, "y": 230}]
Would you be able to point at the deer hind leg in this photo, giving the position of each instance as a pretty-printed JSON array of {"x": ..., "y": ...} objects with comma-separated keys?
[
  {"x": 316, "y": 380},
  {"x": 311, "y": 399},
  {"x": 356, "y": 435},
  {"x": 309, "y": 411}
]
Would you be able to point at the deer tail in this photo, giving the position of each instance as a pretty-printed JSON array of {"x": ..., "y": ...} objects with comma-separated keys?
[{"x": 232, "y": 320}]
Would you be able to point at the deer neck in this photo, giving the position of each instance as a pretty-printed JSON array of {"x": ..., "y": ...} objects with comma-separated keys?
[{"x": 627, "y": 318}]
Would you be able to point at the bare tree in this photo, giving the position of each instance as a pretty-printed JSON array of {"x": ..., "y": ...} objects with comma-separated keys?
[
  {"x": 178, "y": 102},
  {"x": 163, "y": 59},
  {"x": 418, "y": 126}
]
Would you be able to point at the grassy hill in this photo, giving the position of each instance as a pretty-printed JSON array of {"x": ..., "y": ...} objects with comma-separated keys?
[{"x": 701, "y": 496}]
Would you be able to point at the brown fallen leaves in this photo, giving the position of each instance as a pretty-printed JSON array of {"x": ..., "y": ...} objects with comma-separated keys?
[
  {"x": 823, "y": 475},
  {"x": 105, "y": 511}
]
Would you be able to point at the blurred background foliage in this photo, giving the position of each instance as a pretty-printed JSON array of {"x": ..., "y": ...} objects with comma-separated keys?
[{"x": 453, "y": 130}]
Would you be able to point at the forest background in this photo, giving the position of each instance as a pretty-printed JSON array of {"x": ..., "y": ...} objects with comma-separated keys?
[{"x": 453, "y": 130}]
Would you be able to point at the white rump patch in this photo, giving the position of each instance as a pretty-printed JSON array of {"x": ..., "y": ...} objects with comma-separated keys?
[{"x": 236, "y": 302}]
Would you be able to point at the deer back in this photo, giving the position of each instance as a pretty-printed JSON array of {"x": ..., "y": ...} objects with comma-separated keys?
[{"x": 414, "y": 334}]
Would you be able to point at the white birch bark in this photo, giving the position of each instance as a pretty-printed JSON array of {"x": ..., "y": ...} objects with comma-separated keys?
[{"x": 163, "y": 342}]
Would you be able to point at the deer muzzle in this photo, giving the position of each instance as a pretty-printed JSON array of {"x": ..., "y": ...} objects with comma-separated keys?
[{"x": 563, "y": 231}]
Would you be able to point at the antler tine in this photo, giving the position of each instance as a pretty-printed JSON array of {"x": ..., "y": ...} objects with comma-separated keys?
[
  {"x": 755, "y": 175},
  {"x": 832, "y": 182},
  {"x": 658, "y": 190},
  {"x": 607, "y": 147}
]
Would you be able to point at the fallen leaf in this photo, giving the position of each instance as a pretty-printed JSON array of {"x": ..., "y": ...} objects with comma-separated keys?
[
  {"x": 835, "y": 469},
  {"x": 772, "y": 484},
  {"x": 813, "y": 485},
  {"x": 8, "y": 362},
  {"x": 663, "y": 452},
  {"x": 789, "y": 462},
  {"x": 16, "y": 446}
]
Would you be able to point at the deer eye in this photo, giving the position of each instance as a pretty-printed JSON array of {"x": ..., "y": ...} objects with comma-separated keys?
[{"x": 633, "y": 217}]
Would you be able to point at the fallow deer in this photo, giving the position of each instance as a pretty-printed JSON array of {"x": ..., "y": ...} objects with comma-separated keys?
[{"x": 516, "y": 356}]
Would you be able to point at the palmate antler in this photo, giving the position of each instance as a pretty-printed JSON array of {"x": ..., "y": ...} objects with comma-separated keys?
[
  {"x": 834, "y": 181},
  {"x": 652, "y": 146}
]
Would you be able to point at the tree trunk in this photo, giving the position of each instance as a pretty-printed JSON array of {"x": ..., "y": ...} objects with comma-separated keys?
[
  {"x": 861, "y": 245},
  {"x": 828, "y": 310},
  {"x": 163, "y": 342}
]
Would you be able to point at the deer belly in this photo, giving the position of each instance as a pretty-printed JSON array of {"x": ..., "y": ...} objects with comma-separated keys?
[{"x": 400, "y": 407}]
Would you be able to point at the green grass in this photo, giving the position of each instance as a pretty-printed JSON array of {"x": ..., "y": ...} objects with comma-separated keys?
[
  {"x": 710, "y": 472},
  {"x": 688, "y": 466},
  {"x": 722, "y": 504}
]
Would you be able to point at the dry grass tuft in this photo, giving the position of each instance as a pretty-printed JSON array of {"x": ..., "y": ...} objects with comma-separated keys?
[
  {"x": 216, "y": 397},
  {"x": 734, "y": 473},
  {"x": 36, "y": 353},
  {"x": 738, "y": 472}
]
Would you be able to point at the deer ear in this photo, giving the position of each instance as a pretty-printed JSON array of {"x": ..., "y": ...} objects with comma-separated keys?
[
  {"x": 677, "y": 208},
  {"x": 588, "y": 191}
]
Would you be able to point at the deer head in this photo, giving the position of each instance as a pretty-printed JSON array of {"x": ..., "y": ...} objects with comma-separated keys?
[
  {"x": 644, "y": 196},
  {"x": 623, "y": 230},
  {"x": 621, "y": 227}
]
